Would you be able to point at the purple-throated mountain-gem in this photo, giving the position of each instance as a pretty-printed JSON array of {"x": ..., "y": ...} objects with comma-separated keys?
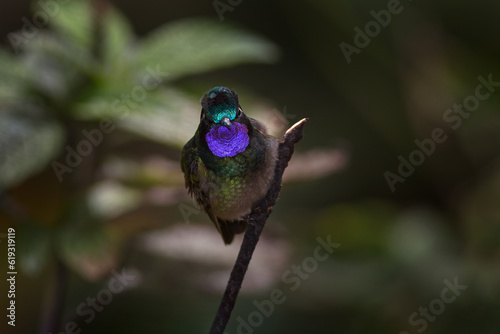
[{"x": 229, "y": 163}]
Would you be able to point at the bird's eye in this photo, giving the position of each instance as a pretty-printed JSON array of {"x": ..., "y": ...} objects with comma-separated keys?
[{"x": 239, "y": 112}]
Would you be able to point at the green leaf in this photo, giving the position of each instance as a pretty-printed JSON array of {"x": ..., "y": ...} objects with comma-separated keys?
[
  {"x": 102, "y": 100},
  {"x": 118, "y": 36},
  {"x": 28, "y": 143},
  {"x": 173, "y": 121},
  {"x": 55, "y": 66},
  {"x": 116, "y": 100},
  {"x": 74, "y": 22},
  {"x": 195, "y": 46},
  {"x": 49, "y": 46}
]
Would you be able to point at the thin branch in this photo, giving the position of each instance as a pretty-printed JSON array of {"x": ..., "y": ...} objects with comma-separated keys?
[{"x": 256, "y": 221}]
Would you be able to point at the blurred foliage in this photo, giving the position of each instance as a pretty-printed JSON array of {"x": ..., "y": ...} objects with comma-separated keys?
[
  {"x": 63, "y": 83},
  {"x": 396, "y": 247}
]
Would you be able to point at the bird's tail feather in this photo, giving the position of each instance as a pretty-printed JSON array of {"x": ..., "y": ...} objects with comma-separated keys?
[{"x": 228, "y": 228}]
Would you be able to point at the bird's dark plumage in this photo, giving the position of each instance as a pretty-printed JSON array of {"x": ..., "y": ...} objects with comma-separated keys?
[{"x": 229, "y": 162}]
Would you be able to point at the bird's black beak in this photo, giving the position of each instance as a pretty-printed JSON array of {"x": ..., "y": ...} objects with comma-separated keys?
[{"x": 226, "y": 121}]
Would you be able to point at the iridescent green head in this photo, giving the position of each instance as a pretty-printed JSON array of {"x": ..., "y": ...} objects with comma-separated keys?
[{"x": 220, "y": 104}]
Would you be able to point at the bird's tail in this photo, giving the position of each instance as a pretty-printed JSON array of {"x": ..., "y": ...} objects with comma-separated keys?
[{"x": 228, "y": 228}]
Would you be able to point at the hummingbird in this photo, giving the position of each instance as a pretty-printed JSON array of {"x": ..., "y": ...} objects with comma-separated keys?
[{"x": 229, "y": 163}]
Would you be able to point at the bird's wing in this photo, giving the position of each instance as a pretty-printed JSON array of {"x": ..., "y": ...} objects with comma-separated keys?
[
  {"x": 192, "y": 166},
  {"x": 189, "y": 166}
]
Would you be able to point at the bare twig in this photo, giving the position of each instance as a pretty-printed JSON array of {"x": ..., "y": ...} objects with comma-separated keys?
[{"x": 256, "y": 221}]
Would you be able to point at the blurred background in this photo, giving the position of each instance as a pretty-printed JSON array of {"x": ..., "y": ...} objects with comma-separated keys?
[{"x": 97, "y": 99}]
